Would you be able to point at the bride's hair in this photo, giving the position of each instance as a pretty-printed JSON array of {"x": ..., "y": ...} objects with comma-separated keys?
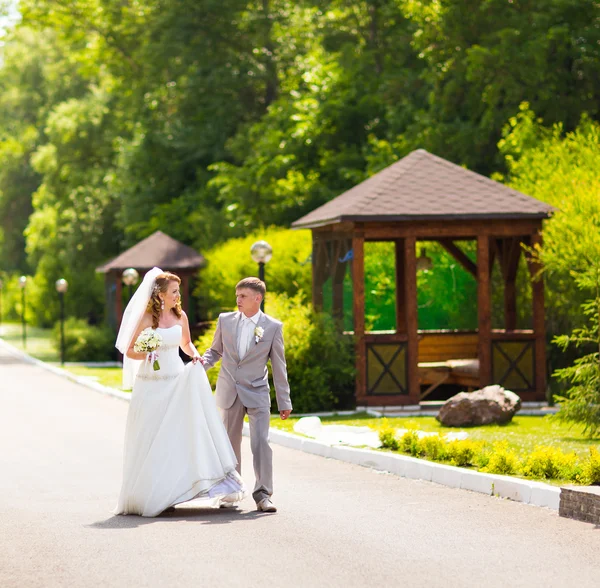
[{"x": 161, "y": 284}]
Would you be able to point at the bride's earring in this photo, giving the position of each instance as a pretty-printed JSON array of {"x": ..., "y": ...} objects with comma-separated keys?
[{"x": 162, "y": 304}]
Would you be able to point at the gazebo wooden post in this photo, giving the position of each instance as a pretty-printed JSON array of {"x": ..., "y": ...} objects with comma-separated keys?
[
  {"x": 317, "y": 272},
  {"x": 118, "y": 297},
  {"x": 411, "y": 318},
  {"x": 185, "y": 291},
  {"x": 339, "y": 271},
  {"x": 484, "y": 310},
  {"x": 358, "y": 274},
  {"x": 509, "y": 250},
  {"x": 400, "y": 287},
  {"x": 539, "y": 321}
]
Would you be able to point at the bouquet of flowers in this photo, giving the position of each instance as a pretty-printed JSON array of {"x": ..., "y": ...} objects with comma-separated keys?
[{"x": 149, "y": 341}]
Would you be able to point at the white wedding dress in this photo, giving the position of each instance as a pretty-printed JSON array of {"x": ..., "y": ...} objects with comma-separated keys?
[{"x": 176, "y": 447}]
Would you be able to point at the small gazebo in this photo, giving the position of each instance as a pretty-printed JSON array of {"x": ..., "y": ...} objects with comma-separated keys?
[
  {"x": 157, "y": 250},
  {"x": 425, "y": 198}
]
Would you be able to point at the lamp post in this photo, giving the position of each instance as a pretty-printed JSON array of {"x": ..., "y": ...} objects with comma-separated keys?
[
  {"x": 61, "y": 287},
  {"x": 23, "y": 285},
  {"x": 261, "y": 253},
  {"x": 130, "y": 278}
]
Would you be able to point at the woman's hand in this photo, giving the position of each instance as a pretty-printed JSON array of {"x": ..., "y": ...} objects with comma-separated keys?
[{"x": 197, "y": 359}]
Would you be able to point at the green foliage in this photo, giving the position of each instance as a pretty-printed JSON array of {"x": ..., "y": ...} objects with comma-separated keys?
[
  {"x": 84, "y": 342},
  {"x": 551, "y": 463},
  {"x": 320, "y": 361},
  {"x": 503, "y": 461},
  {"x": 462, "y": 452},
  {"x": 387, "y": 436},
  {"x": 287, "y": 273},
  {"x": 409, "y": 443},
  {"x": 434, "y": 447},
  {"x": 591, "y": 468}
]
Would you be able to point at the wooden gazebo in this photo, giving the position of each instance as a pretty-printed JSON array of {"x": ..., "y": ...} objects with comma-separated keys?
[
  {"x": 157, "y": 250},
  {"x": 425, "y": 198}
]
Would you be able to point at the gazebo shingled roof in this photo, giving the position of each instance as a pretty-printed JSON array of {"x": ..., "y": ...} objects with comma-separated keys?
[
  {"x": 157, "y": 250},
  {"x": 423, "y": 197},
  {"x": 422, "y": 186}
]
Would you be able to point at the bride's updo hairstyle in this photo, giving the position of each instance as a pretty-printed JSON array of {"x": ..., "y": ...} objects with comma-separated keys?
[{"x": 161, "y": 284}]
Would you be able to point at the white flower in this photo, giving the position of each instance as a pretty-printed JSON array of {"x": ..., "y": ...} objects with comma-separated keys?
[
  {"x": 148, "y": 340},
  {"x": 258, "y": 334}
]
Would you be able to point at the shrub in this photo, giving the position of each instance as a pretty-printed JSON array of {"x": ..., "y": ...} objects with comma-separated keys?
[
  {"x": 434, "y": 447},
  {"x": 288, "y": 272},
  {"x": 503, "y": 461},
  {"x": 320, "y": 360},
  {"x": 84, "y": 342},
  {"x": 410, "y": 443},
  {"x": 551, "y": 463},
  {"x": 591, "y": 468},
  {"x": 462, "y": 452},
  {"x": 387, "y": 436}
]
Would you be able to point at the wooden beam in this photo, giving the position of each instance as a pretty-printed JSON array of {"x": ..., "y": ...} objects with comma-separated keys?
[
  {"x": 411, "y": 316},
  {"x": 459, "y": 255},
  {"x": 539, "y": 322},
  {"x": 451, "y": 229},
  {"x": 484, "y": 311},
  {"x": 358, "y": 280},
  {"x": 400, "y": 289}
]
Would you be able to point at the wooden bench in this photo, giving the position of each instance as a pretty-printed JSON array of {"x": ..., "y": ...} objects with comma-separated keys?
[{"x": 448, "y": 357}]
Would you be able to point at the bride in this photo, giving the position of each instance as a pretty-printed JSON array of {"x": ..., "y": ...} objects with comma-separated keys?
[{"x": 176, "y": 447}]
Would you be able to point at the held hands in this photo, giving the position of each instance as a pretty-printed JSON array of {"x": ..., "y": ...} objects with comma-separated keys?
[
  {"x": 284, "y": 414},
  {"x": 197, "y": 359}
]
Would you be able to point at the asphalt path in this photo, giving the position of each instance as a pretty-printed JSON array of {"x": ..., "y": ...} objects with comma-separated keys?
[{"x": 337, "y": 525}]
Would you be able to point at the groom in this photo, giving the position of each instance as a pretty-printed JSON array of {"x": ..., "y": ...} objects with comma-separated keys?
[{"x": 246, "y": 340}]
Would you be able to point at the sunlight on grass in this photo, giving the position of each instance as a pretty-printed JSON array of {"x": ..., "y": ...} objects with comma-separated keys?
[
  {"x": 523, "y": 434},
  {"x": 107, "y": 376},
  {"x": 38, "y": 341}
]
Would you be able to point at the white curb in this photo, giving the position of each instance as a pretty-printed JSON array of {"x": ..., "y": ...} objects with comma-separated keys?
[{"x": 528, "y": 492}]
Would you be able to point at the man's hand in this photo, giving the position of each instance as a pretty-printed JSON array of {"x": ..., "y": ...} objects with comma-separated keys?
[
  {"x": 197, "y": 358},
  {"x": 284, "y": 414}
]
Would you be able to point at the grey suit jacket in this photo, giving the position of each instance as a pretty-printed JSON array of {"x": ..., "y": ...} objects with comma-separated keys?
[{"x": 248, "y": 378}]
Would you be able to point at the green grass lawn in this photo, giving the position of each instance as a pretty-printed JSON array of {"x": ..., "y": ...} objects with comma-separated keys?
[
  {"x": 39, "y": 345},
  {"x": 107, "y": 376},
  {"x": 522, "y": 434},
  {"x": 38, "y": 341}
]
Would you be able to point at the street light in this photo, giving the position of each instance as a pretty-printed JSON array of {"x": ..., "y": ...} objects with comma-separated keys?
[
  {"x": 22, "y": 285},
  {"x": 61, "y": 287},
  {"x": 261, "y": 253},
  {"x": 130, "y": 278}
]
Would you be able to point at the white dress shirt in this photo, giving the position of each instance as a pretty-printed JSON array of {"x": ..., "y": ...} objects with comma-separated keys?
[{"x": 246, "y": 332}]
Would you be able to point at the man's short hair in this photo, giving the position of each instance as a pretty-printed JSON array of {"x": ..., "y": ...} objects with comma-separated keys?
[{"x": 252, "y": 284}]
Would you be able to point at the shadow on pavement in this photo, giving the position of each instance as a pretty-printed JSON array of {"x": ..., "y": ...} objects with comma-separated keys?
[{"x": 206, "y": 516}]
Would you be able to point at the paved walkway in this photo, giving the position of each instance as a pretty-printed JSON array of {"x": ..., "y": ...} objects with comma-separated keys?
[{"x": 338, "y": 525}]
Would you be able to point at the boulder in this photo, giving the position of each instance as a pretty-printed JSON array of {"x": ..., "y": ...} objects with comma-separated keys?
[{"x": 492, "y": 404}]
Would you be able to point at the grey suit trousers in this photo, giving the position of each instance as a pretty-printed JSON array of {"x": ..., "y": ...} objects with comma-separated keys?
[{"x": 262, "y": 454}]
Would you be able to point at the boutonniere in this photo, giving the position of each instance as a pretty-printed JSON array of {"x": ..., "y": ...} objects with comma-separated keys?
[{"x": 258, "y": 334}]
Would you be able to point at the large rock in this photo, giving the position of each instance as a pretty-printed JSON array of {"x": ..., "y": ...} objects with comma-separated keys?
[{"x": 492, "y": 404}]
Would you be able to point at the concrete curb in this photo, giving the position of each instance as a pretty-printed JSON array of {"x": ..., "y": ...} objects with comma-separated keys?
[{"x": 534, "y": 493}]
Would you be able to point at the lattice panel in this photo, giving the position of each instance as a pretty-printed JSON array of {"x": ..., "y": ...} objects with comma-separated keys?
[
  {"x": 387, "y": 368},
  {"x": 513, "y": 365}
]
